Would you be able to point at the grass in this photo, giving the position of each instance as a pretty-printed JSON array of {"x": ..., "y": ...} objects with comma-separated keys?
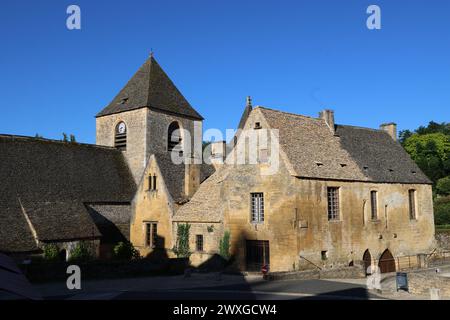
[{"x": 443, "y": 228}]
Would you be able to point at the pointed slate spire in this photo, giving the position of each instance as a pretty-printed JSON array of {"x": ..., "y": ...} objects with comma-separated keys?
[{"x": 151, "y": 87}]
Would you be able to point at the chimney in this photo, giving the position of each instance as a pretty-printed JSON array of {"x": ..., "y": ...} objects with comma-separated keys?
[
  {"x": 191, "y": 178},
  {"x": 328, "y": 116},
  {"x": 218, "y": 153},
  {"x": 391, "y": 129}
]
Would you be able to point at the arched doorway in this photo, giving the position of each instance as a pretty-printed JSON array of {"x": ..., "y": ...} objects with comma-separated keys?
[
  {"x": 387, "y": 262},
  {"x": 367, "y": 258}
]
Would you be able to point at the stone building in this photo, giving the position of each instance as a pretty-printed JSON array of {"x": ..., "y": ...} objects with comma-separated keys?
[
  {"x": 62, "y": 193},
  {"x": 339, "y": 194}
]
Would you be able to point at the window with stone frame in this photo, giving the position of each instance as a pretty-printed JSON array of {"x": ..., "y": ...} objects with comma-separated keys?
[
  {"x": 333, "y": 203},
  {"x": 374, "y": 205},
  {"x": 412, "y": 204},
  {"x": 257, "y": 207},
  {"x": 199, "y": 242},
  {"x": 151, "y": 234}
]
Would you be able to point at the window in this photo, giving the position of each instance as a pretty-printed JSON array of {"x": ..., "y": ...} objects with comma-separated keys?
[
  {"x": 324, "y": 255},
  {"x": 333, "y": 203},
  {"x": 150, "y": 179},
  {"x": 257, "y": 207},
  {"x": 148, "y": 228},
  {"x": 151, "y": 234},
  {"x": 258, "y": 125},
  {"x": 120, "y": 136},
  {"x": 154, "y": 182},
  {"x": 173, "y": 136},
  {"x": 374, "y": 205},
  {"x": 199, "y": 242},
  {"x": 412, "y": 204}
]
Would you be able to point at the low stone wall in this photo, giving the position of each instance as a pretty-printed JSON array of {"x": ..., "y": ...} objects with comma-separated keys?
[
  {"x": 443, "y": 240},
  {"x": 421, "y": 283},
  {"x": 355, "y": 272}
]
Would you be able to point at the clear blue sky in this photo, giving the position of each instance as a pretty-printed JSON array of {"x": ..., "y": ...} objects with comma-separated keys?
[{"x": 297, "y": 56}]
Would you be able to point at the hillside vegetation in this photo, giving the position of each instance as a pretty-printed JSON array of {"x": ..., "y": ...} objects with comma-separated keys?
[{"x": 429, "y": 147}]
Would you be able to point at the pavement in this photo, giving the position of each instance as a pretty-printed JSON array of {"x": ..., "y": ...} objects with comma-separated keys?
[{"x": 211, "y": 286}]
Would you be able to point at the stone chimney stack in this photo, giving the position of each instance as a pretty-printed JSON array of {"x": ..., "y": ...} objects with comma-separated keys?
[
  {"x": 191, "y": 178},
  {"x": 218, "y": 153},
  {"x": 328, "y": 116},
  {"x": 391, "y": 129}
]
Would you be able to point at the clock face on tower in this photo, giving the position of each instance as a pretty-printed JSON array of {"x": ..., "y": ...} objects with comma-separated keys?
[{"x": 121, "y": 128}]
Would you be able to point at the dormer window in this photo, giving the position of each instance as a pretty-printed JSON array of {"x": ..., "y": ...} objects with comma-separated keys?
[{"x": 120, "y": 137}]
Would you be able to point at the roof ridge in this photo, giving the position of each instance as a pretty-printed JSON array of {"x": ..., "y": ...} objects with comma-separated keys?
[
  {"x": 288, "y": 113},
  {"x": 35, "y": 139},
  {"x": 359, "y": 127}
]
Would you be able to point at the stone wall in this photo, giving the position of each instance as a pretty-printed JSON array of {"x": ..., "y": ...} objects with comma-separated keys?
[
  {"x": 421, "y": 283},
  {"x": 443, "y": 240},
  {"x": 355, "y": 272}
]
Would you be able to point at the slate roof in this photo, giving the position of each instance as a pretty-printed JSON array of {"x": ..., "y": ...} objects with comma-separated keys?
[
  {"x": 354, "y": 154},
  {"x": 207, "y": 204},
  {"x": 51, "y": 181},
  {"x": 151, "y": 87},
  {"x": 112, "y": 220},
  {"x": 174, "y": 175}
]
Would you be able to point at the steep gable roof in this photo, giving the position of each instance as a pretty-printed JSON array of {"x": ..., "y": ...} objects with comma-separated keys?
[
  {"x": 151, "y": 87},
  {"x": 355, "y": 154},
  {"x": 48, "y": 182}
]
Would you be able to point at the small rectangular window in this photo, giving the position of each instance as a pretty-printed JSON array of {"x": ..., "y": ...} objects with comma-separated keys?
[
  {"x": 151, "y": 235},
  {"x": 154, "y": 182},
  {"x": 199, "y": 242},
  {"x": 324, "y": 255},
  {"x": 412, "y": 204},
  {"x": 148, "y": 234},
  {"x": 257, "y": 207},
  {"x": 333, "y": 203},
  {"x": 150, "y": 182},
  {"x": 373, "y": 205},
  {"x": 154, "y": 235}
]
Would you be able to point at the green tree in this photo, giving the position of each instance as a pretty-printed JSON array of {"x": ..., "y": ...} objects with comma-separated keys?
[
  {"x": 181, "y": 248},
  {"x": 431, "y": 151},
  {"x": 72, "y": 138},
  {"x": 51, "y": 252},
  {"x": 126, "y": 251},
  {"x": 443, "y": 186},
  {"x": 65, "y": 139},
  {"x": 81, "y": 253}
]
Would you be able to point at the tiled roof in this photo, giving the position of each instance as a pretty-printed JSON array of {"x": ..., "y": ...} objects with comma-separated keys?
[
  {"x": 207, "y": 204},
  {"x": 355, "y": 154},
  {"x": 51, "y": 181},
  {"x": 151, "y": 87}
]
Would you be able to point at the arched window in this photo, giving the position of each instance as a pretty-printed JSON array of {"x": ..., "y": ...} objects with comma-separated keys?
[
  {"x": 120, "y": 137},
  {"x": 174, "y": 136}
]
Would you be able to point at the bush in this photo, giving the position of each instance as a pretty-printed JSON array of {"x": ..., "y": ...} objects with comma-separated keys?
[
  {"x": 51, "y": 252},
  {"x": 442, "y": 211},
  {"x": 224, "y": 245},
  {"x": 80, "y": 253},
  {"x": 443, "y": 186},
  {"x": 126, "y": 251},
  {"x": 181, "y": 248}
]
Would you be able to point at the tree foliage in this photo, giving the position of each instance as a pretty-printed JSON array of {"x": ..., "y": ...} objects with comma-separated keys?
[
  {"x": 51, "y": 252},
  {"x": 126, "y": 251},
  {"x": 81, "y": 253},
  {"x": 429, "y": 147}
]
